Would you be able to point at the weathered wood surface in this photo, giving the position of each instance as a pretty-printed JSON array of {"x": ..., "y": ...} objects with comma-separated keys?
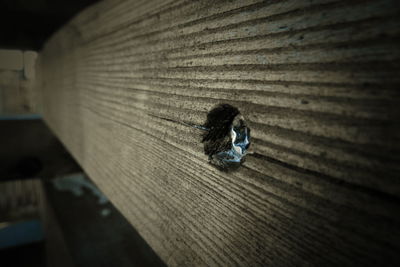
[{"x": 318, "y": 83}]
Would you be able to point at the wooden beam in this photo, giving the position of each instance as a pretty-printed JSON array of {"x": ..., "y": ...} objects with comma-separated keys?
[{"x": 318, "y": 84}]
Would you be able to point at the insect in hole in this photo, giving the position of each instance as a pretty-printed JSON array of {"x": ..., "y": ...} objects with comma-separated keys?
[{"x": 226, "y": 136}]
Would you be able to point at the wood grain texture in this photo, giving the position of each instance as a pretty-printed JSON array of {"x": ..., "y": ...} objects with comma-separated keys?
[{"x": 318, "y": 83}]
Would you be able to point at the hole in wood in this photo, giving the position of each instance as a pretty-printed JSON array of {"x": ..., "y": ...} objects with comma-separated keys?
[{"x": 228, "y": 138}]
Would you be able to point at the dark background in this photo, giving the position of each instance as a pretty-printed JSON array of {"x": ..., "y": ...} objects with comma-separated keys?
[{"x": 27, "y": 24}]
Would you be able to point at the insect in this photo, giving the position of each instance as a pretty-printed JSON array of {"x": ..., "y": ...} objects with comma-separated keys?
[
  {"x": 240, "y": 139},
  {"x": 226, "y": 136},
  {"x": 228, "y": 139}
]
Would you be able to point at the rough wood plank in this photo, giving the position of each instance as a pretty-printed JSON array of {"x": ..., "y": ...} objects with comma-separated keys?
[{"x": 317, "y": 81}]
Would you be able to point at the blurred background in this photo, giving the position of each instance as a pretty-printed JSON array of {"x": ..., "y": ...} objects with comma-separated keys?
[{"x": 51, "y": 214}]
